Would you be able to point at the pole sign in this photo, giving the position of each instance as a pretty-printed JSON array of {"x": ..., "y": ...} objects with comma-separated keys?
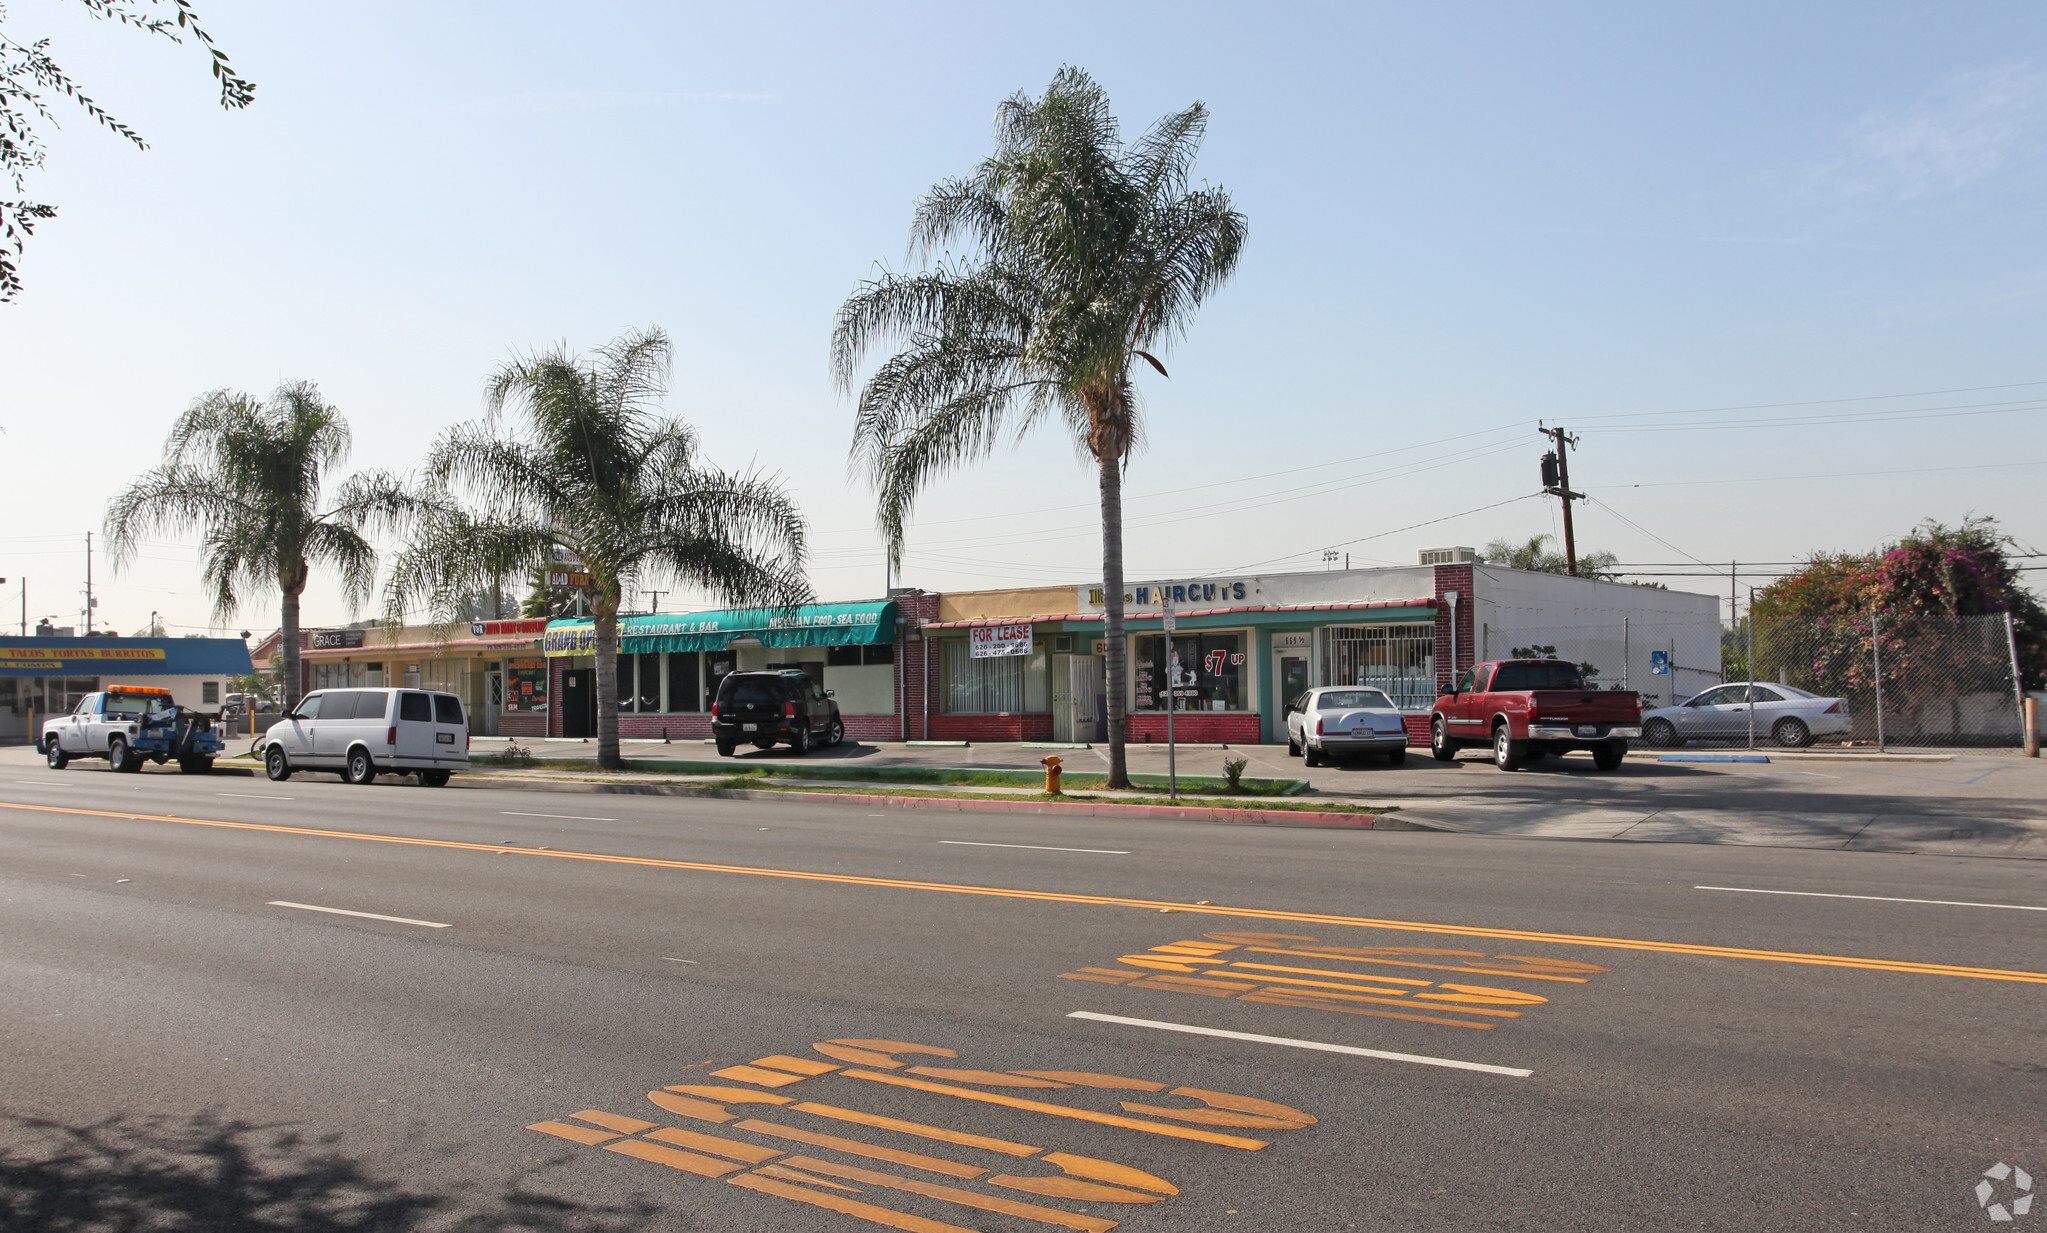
[
  {"x": 1167, "y": 614},
  {"x": 1659, "y": 663},
  {"x": 569, "y": 578},
  {"x": 995, "y": 641}
]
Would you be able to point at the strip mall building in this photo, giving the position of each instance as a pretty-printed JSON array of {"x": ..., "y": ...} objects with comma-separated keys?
[{"x": 1027, "y": 664}]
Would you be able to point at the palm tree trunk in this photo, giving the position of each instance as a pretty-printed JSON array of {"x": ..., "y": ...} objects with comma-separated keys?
[
  {"x": 1114, "y": 650},
  {"x": 606, "y": 620},
  {"x": 289, "y": 687}
]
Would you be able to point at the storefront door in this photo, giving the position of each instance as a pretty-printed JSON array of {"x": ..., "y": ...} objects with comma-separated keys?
[
  {"x": 1289, "y": 678},
  {"x": 1062, "y": 698},
  {"x": 493, "y": 699},
  {"x": 579, "y": 702}
]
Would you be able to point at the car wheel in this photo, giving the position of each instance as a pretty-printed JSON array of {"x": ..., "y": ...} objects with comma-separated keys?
[
  {"x": 360, "y": 769},
  {"x": 1311, "y": 756},
  {"x": 433, "y": 779},
  {"x": 800, "y": 745},
  {"x": 1396, "y": 757},
  {"x": 1293, "y": 747},
  {"x": 1608, "y": 757},
  {"x": 1440, "y": 747},
  {"x": 1791, "y": 733},
  {"x": 725, "y": 748},
  {"x": 836, "y": 733},
  {"x": 276, "y": 765},
  {"x": 119, "y": 757},
  {"x": 54, "y": 754},
  {"x": 1661, "y": 733},
  {"x": 1508, "y": 753},
  {"x": 196, "y": 766}
]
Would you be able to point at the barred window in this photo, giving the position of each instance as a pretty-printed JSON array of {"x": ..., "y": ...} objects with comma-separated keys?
[
  {"x": 982, "y": 686},
  {"x": 1400, "y": 659}
]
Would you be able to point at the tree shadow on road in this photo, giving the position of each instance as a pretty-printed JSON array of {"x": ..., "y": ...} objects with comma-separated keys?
[{"x": 206, "y": 1173}]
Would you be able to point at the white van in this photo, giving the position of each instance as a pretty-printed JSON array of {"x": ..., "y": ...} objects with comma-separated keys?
[{"x": 363, "y": 733}]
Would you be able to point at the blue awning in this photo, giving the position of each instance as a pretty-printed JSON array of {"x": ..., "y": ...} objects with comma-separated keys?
[
  {"x": 127, "y": 657},
  {"x": 809, "y": 625}
]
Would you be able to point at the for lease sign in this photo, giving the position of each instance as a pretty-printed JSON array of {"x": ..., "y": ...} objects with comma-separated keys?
[{"x": 990, "y": 641}]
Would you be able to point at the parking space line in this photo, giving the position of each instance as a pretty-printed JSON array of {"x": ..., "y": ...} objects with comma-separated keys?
[
  {"x": 396, "y": 920},
  {"x": 1035, "y": 847},
  {"x": 1419, "y": 1059},
  {"x": 1945, "y": 903},
  {"x": 565, "y": 817}
]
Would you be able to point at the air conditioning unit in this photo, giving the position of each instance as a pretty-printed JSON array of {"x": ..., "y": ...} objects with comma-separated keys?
[{"x": 1450, "y": 556}]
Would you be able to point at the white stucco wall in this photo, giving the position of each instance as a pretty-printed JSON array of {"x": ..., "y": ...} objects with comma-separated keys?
[
  {"x": 1318, "y": 587},
  {"x": 186, "y": 691},
  {"x": 1611, "y": 625}
]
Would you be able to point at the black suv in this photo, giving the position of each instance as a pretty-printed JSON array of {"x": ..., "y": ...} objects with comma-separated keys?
[{"x": 766, "y": 707}]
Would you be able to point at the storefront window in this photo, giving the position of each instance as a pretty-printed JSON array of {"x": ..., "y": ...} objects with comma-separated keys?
[
  {"x": 982, "y": 686},
  {"x": 626, "y": 692},
  {"x": 1400, "y": 659},
  {"x": 682, "y": 682},
  {"x": 1211, "y": 671},
  {"x": 650, "y": 683},
  {"x": 526, "y": 687}
]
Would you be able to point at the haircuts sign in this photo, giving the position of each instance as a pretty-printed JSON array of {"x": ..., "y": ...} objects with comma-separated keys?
[{"x": 993, "y": 641}]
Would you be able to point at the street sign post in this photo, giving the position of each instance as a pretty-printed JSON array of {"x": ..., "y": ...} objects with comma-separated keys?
[{"x": 1172, "y": 688}]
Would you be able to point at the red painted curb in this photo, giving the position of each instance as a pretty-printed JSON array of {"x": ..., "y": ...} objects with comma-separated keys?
[
  {"x": 1164, "y": 813},
  {"x": 1175, "y": 813}
]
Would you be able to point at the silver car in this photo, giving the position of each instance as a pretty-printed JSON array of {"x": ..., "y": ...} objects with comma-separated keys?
[
  {"x": 1784, "y": 716},
  {"x": 1337, "y": 720}
]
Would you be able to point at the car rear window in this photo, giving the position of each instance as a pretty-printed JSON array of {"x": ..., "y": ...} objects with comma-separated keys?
[
  {"x": 415, "y": 709},
  {"x": 1512, "y": 677},
  {"x": 447, "y": 709},
  {"x": 752, "y": 689},
  {"x": 1353, "y": 699}
]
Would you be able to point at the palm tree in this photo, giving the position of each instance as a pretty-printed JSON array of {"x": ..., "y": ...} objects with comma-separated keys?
[
  {"x": 592, "y": 474},
  {"x": 1085, "y": 255},
  {"x": 249, "y": 476}
]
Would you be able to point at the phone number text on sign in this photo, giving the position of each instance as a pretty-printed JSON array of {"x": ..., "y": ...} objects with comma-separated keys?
[{"x": 990, "y": 641}]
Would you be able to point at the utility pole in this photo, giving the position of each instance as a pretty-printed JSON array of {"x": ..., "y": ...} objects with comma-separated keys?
[
  {"x": 657, "y": 599},
  {"x": 1556, "y": 480},
  {"x": 88, "y": 584}
]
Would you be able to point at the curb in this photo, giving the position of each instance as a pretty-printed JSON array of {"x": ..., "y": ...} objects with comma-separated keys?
[{"x": 1109, "y": 809}]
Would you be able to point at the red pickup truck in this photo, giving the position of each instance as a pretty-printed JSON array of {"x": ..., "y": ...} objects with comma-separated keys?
[{"x": 1527, "y": 709}]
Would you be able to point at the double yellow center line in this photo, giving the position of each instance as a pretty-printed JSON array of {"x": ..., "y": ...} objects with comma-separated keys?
[{"x": 1001, "y": 892}]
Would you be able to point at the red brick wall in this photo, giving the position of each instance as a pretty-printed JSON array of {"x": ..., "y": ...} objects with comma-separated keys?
[
  {"x": 910, "y": 660},
  {"x": 1453, "y": 578},
  {"x": 1197, "y": 727},
  {"x": 991, "y": 727},
  {"x": 522, "y": 725},
  {"x": 1417, "y": 729}
]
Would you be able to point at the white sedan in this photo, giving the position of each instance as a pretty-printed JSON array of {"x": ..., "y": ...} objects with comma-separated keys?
[
  {"x": 1791, "y": 718},
  {"x": 1337, "y": 720}
]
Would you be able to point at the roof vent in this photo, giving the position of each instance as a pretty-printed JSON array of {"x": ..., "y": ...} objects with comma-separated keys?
[{"x": 1449, "y": 556}]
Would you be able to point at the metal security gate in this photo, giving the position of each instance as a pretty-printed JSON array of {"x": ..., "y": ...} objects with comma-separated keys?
[{"x": 1400, "y": 659}]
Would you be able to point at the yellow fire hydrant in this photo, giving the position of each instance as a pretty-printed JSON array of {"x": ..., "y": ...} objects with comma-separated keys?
[{"x": 1051, "y": 765}]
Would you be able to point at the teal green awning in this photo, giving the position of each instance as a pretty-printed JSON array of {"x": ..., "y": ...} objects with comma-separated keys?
[{"x": 809, "y": 625}]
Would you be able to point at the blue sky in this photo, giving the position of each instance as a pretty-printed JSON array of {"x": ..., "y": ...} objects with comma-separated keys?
[{"x": 1463, "y": 219}]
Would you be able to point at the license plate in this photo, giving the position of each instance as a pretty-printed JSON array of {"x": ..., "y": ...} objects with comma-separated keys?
[
  {"x": 1587, "y": 730},
  {"x": 749, "y": 727},
  {"x": 445, "y": 738}
]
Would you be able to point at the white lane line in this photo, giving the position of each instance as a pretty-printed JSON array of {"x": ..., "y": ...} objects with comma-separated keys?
[
  {"x": 565, "y": 817},
  {"x": 45, "y": 783},
  {"x": 396, "y": 920},
  {"x": 1417, "y": 1058},
  {"x": 1035, "y": 847},
  {"x": 673, "y": 959},
  {"x": 1945, "y": 903},
  {"x": 256, "y": 796}
]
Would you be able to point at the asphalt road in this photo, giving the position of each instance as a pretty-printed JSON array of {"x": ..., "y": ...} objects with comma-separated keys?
[{"x": 179, "y": 1048}]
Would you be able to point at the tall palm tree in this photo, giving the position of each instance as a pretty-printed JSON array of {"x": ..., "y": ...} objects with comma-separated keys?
[
  {"x": 249, "y": 476},
  {"x": 1084, "y": 256},
  {"x": 591, "y": 473}
]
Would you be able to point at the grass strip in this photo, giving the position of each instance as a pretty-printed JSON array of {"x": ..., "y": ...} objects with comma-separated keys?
[{"x": 975, "y": 778}]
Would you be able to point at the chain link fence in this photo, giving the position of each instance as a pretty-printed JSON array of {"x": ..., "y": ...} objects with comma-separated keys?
[{"x": 1881, "y": 679}]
